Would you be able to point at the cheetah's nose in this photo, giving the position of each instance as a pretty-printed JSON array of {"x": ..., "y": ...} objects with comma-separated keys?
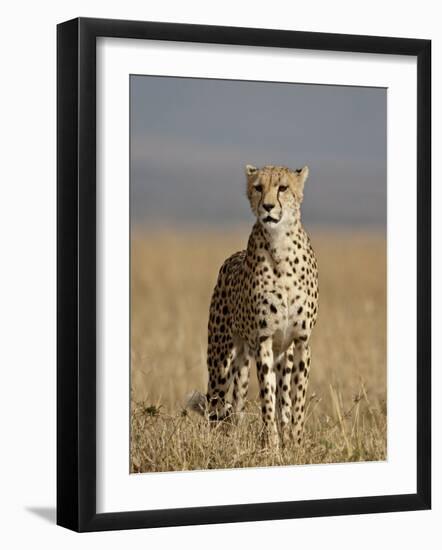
[{"x": 268, "y": 207}]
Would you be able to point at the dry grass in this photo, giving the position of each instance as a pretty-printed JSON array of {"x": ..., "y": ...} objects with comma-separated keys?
[{"x": 173, "y": 274}]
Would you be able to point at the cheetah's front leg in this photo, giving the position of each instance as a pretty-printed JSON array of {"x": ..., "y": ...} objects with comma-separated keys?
[
  {"x": 300, "y": 372},
  {"x": 267, "y": 389},
  {"x": 284, "y": 365}
]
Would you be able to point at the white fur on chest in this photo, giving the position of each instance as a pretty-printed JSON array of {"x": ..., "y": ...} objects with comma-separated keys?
[
  {"x": 287, "y": 298},
  {"x": 289, "y": 322}
]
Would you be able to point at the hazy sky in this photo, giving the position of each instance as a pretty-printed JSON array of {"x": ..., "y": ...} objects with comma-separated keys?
[{"x": 191, "y": 138}]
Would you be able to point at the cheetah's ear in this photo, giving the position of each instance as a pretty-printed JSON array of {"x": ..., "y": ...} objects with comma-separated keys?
[
  {"x": 251, "y": 170},
  {"x": 301, "y": 176}
]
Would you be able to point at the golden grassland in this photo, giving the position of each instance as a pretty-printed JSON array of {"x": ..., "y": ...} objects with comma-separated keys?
[{"x": 172, "y": 277}]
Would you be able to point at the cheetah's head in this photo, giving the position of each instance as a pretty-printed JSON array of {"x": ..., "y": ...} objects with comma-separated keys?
[{"x": 275, "y": 193}]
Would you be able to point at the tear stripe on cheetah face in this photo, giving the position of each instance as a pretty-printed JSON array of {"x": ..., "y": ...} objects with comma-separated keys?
[{"x": 264, "y": 307}]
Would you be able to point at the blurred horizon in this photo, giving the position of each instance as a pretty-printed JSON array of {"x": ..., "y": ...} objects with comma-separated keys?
[{"x": 191, "y": 138}]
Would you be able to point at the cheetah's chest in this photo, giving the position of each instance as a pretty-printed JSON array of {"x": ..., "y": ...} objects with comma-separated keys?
[
  {"x": 285, "y": 319},
  {"x": 275, "y": 294}
]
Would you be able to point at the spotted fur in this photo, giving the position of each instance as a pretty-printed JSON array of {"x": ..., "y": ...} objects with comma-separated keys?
[{"x": 264, "y": 307}]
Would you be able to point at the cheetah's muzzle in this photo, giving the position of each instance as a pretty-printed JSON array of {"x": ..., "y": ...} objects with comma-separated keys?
[{"x": 269, "y": 219}]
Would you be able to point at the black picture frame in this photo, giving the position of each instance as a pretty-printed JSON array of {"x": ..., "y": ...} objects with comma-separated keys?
[{"x": 77, "y": 287}]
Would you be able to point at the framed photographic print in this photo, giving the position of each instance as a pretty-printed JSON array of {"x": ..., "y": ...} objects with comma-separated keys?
[{"x": 243, "y": 274}]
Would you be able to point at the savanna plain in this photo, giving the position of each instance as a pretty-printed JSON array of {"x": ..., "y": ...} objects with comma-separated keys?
[{"x": 173, "y": 273}]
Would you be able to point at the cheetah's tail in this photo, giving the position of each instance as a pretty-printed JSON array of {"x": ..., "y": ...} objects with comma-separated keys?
[{"x": 196, "y": 402}]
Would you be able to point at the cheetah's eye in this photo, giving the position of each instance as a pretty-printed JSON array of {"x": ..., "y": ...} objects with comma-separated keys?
[
  {"x": 282, "y": 188},
  {"x": 258, "y": 188}
]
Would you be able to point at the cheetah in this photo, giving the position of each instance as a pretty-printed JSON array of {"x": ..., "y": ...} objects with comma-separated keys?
[{"x": 264, "y": 307}]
